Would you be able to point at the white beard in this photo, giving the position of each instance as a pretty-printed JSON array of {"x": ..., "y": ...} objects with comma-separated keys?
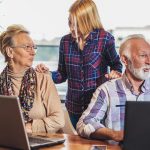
[{"x": 139, "y": 73}]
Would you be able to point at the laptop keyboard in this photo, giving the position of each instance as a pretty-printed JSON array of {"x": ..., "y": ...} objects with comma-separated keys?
[{"x": 33, "y": 140}]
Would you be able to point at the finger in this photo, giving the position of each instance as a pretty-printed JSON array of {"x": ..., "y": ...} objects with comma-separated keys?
[
  {"x": 38, "y": 68},
  {"x": 106, "y": 75},
  {"x": 115, "y": 74},
  {"x": 41, "y": 68},
  {"x": 112, "y": 75},
  {"x": 45, "y": 68}
]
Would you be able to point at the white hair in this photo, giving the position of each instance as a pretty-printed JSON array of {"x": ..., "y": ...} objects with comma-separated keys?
[{"x": 124, "y": 50}]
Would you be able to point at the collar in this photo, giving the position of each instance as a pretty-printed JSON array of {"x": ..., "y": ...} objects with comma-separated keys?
[
  {"x": 19, "y": 75},
  {"x": 92, "y": 35},
  {"x": 144, "y": 87}
]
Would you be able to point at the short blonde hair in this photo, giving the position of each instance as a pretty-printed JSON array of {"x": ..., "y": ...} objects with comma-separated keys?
[
  {"x": 86, "y": 14},
  {"x": 6, "y": 37},
  {"x": 124, "y": 50}
]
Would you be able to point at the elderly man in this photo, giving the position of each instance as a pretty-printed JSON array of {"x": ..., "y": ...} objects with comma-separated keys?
[{"x": 103, "y": 119}]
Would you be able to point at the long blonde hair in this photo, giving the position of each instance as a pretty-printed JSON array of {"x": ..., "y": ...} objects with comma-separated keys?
[{"x": 85, "y": 16}]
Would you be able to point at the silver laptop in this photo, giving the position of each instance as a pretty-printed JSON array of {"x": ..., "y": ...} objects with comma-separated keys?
[{"x": 12, "y": 127}]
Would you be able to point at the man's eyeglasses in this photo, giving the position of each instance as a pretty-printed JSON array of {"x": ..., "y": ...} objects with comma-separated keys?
[{"x": 27, "y": 48}]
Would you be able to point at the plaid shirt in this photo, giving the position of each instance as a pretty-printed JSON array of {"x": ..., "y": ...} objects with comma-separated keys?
[
  {"x": 85, "y": 69},
  {"x": 104, "y": 111}
]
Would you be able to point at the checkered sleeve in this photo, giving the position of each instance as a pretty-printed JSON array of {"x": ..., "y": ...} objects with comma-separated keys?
[
  {"x": 111, "y": 54},
  {"x": 60, "y": 75},
  {"x": 92, "y": 118}
]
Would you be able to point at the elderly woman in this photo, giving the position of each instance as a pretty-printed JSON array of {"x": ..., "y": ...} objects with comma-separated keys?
[{"x": 39, "y": 99}]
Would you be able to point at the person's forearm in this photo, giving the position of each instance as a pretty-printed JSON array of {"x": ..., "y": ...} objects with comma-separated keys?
[
  {"x": 38, "y": 125},
  {"x": 107, "y": 134}
]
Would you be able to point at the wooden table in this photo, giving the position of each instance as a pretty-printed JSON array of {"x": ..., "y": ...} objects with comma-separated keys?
[{"x": 75, "y": 142}]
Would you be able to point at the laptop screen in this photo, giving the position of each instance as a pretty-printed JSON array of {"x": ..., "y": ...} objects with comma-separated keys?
[
  {"x": 12, "y": 127},
  {"x": 137, "y": 125}
]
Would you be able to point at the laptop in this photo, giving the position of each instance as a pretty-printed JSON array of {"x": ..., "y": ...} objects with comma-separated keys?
[
  {"x": 12, "y": 127},
  {"x": 137, "y": 125}
]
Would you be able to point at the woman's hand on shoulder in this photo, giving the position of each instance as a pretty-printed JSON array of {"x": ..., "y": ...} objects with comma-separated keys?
[
  {"x": 113, "y": 74},
  {"x": 41, "y": 68}
]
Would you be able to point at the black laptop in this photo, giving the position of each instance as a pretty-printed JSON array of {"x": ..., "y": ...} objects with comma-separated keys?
[
  {"x": 12, "y": 127},
  {"x": 137, "y": 126}
]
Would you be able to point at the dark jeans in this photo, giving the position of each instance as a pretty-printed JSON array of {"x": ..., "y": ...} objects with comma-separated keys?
[{"x": 74, "y": 119}]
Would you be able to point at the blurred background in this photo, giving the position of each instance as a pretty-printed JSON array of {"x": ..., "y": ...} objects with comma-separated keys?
[{"x": 47, "y": 21}]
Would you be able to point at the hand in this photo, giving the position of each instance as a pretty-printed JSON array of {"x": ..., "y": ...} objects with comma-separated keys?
[
  {"x": 28, "y": 127},
  {"x": 113, "y": 74},
  {"x": 117, "y": 135},
  {"x": 41, "y": 68}
]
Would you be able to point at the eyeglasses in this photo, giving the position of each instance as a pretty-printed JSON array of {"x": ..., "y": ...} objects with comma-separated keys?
[{"x": 27, "y": 48}]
